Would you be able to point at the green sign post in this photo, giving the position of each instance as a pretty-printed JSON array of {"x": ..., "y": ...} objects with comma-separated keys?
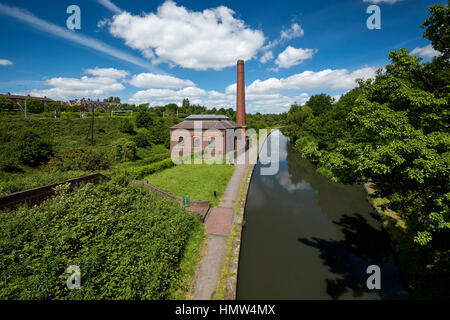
[{"x": 186, "y": 201}]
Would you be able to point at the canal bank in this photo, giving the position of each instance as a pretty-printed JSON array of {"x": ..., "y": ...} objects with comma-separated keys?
[
  {"x": 306, "y": 237},
  {"x": 220, "y": 226}
]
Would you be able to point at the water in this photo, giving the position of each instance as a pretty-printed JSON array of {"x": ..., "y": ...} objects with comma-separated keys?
[{"x": 306, "y": 237}]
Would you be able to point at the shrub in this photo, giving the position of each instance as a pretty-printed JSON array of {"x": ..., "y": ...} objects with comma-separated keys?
[
  {"x": 80, "y": 158},
  {"x": 127, "y": 242},
  {"x": 8, "y": 159},
  {"x": 126, "y": 126},
  {"x": 144, "y": 119},
  {"x": 125, "y": 150},
  {"x": 140, "y": 172},
  {"x": 100, "y": 110},
  {"x": 7, "y": 105},
  {"x": 31, "y": 149},
  {"x": 142, "y": 139}
]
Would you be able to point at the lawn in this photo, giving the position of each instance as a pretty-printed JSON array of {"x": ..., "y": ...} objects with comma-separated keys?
[{"x": 198, "y": 181}]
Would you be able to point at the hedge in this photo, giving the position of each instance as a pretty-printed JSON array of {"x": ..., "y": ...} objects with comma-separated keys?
[
  {"x": 140, "y": 172},
  {"x": 128, "y": 244}
]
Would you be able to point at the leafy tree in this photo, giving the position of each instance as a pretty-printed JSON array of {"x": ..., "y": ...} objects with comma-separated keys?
[
  {"x": 320, "y": 103},
  {"x": 144, "y": 119},
  {"x": 6, "y": 104},
  {"x": 393, "y": 131},
  {"x": 126, "y": 126},
  {"x": 31, "y": 149}
]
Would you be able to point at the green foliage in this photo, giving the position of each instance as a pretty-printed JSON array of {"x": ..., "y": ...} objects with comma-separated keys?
[
  {"x": 100, "y": 110},
  {"x": 144, "y": 119},
  {"x": 320, "y": 103},
  {"x": 31, "y": 149},
  {"x": 393, "y": 131},
  {"x": 126, "y": 126},
  {"x": 125, "y": 150},
  {"x": 8, "y": 159},
  {"x": 7, "y": 105},
  {"x": 128, "y": 243},
  {"x": 14, "y": 182},
  {"x": 141, "y": 172},
  {"x": 80, "y": 158},
  {"x": 142, "y": 139}
]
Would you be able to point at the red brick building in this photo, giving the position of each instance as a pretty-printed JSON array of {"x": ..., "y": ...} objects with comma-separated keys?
[{"x": 212, "y": 133}]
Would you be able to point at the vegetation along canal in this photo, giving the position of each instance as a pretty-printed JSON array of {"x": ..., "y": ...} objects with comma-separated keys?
[{"x": 306, "y": 237}]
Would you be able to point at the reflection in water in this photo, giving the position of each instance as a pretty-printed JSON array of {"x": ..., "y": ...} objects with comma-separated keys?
[{"x": 306, "y": 237}]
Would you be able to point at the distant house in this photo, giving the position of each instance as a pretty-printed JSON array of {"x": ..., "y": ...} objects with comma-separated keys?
[
  {"x": 89, "y": 104},
  {"x": 18, "y": 98},
  {"x": 215, "y": 133}
]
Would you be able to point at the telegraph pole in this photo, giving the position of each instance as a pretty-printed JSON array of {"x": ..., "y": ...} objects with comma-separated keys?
[
  {"x": 26, "y": 105},
  {"x": 92, "y": 124}
]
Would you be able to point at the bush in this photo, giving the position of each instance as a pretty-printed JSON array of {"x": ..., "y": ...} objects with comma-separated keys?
[
  {"x": 100, "y": 110},
  {"x": 80, "y": 158},
  {"x": 125, "y": 150},
  {"x": 140, "y": 172},
  {"x": 31, "y": 149},
  {"x": 7, "y": 105},
  {"x": 142, "y": 139},
  {"x": 8, "y": 159},
  {"x": 127, "y": 242},
  {"x": 144, "y": 119},
  {"x": 126, "y": 126}
]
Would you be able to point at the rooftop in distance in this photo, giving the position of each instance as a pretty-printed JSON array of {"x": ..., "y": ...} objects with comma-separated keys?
[{"x": 206, "y": 117}]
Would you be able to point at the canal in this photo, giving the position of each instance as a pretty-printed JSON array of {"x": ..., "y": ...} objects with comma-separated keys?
[{"x": 306, "y": 237}]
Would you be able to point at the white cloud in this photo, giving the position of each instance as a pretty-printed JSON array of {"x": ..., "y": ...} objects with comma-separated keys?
[
  {"x": 266, "y": 57},
  {"x": 104, "y": 82},
  {"x": 382, "y": 1},
  {"x": 29, "y": 18},
  {"x": 268, "y": 96},
  {"x": 151, "y": 80},
  {"x": 111, "y": 73},
  {"x": 5, "y": 62},
  {"x": 426, "y": 52},
  {"x": 213, "y": 38},
  {"x": 337, "y": 79},
  {"x": 292, "y": 56},
  {"x": 295, "y": 31},
  {"x": 111, "y": 6}
]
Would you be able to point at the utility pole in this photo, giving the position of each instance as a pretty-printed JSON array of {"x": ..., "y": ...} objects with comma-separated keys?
[
  {"x": 26, "y": 105},
  {"x": 92, "y": 124}
]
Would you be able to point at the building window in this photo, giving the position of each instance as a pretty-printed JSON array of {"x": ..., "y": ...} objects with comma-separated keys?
[
  {"x": 197, "y": 142},
  {"x": 212, "y": 142},
  {"x": 180, "y": 141}
]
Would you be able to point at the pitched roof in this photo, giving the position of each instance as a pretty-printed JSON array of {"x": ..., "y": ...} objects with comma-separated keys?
[
  {"x": 206, "y": 117},
  {"x": 208, "y": 121}
]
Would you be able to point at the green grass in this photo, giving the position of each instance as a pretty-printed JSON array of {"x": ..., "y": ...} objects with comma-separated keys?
[{"x": 198, "y": 181}]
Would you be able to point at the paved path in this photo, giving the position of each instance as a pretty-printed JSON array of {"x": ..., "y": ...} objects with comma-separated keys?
[{"x": 218, "y": 226}]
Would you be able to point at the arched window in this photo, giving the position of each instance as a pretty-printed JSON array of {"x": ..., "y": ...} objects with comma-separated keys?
[{"x": 180, "y": 141}]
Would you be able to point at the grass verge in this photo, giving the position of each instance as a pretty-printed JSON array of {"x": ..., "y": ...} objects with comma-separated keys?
[{"x": 196, "y": 181}]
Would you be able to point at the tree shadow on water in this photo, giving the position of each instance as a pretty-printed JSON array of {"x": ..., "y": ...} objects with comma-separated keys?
[{"x": 362, "y": 246}]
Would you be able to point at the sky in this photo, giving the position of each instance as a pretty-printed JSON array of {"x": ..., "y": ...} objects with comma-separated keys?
[{"x": 160, "y": 52}]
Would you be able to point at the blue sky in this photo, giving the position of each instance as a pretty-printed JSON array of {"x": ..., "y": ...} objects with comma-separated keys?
[{"x": 160, "y": 52}]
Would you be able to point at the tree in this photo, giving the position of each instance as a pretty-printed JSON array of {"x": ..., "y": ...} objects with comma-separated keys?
[
  {"x": 6, "y": 104},
  {"x": 112, "y": 99},
  {"x": 32, "y": 149},
  {"x": 185, "y": 103},
  {"x": 144, "y": 119},
  {"x": 320, "y": 103}
]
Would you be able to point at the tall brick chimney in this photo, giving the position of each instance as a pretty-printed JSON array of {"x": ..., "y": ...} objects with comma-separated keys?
[{"x": 240, "y": 94}]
